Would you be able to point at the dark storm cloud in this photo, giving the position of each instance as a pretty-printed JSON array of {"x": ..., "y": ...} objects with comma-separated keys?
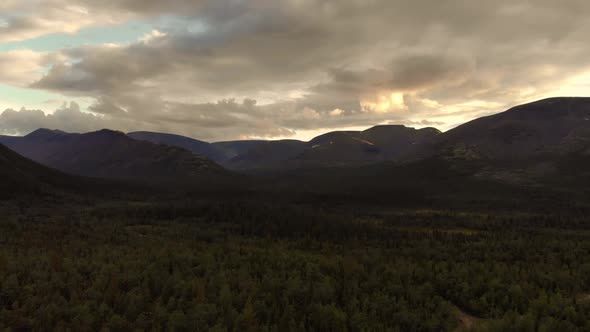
[{"x": 322, "y": 63}]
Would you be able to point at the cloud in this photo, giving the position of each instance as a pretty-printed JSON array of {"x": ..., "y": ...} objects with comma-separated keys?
[
  {"x": 235, "y": 119},
  {"x": 307, "y": 64},
  {"x": 68, "y": 118},
  {"x": 27, "y": 19},
  {"x": 22, "y": 67}
]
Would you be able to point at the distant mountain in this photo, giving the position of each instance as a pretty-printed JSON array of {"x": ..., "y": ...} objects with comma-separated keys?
[
  {"x": 219, "y": 152},
  {"x": 8, "y": 139},
  {"x": 535, "y": 141},
  {"x": 339, "y": 148},
  {"x": 397, "y": 141},
  {"x": 233, "y": 149},
  {"x": 379, "y": 143},
  {"x": 199, "y": 147},
  {"x": 543, "y": 141},
  {"x": 112, "y": 154},
  {"x": 555, "y": 125},
  {"x": 537, "y": 150},
  {"x": 269, "y": 154}
]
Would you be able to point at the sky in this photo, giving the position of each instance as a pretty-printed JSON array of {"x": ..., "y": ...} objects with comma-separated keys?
[{"x": 240, "y": 69}]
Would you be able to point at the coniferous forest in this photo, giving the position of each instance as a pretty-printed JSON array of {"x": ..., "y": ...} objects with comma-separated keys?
[{"x": 250, "y": 266}]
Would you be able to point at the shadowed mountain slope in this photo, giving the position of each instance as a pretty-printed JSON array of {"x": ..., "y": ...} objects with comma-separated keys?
[
  {"x": 21, "y": 177},
  {"x": 547, "y": 141},
  {"x": 233, "y": 149},
  {"x": 534, "y": 152},
  {"x": 111, "y": 154},
  {"x": 339, "y": 148},
  {"x": 269, "y": 154},
  {"x": 555, "y": 125},
  {"x": 199, "y": 147}
]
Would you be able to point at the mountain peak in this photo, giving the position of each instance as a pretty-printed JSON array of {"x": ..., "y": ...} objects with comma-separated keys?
[
  {"x": 388, "y": 126},
  {"x": 110, "y": 132},
  {"x": 430, "y": 130},
  {"x": 44, "y": 133}
]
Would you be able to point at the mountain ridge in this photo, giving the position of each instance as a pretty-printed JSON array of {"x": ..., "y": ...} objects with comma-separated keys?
[
  {"x": 520, "y": 145},
  {"x": 112, "y": 154}
]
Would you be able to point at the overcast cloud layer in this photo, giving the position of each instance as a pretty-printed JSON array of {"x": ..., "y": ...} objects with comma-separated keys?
[{"x": 226, "y": 69}]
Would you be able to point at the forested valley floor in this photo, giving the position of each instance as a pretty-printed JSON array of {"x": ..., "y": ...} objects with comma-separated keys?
[{"x": 238, "y": 266}]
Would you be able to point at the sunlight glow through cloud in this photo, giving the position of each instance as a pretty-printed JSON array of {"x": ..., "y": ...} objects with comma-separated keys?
[{"x": 383, "y": 103}]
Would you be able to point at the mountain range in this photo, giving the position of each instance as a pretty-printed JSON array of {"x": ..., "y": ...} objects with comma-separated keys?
[
  {"x": 111, "y": 154},
  {"x": 343, "y": 148},
  {"x": 542, "y": 143}
]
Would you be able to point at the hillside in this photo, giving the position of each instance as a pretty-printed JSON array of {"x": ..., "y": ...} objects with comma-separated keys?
[
  {"x": 233, "y": 149},
  {"x": 533, "y": 151},
  {"x": 387, "y": 142},
  {"x": 547, "y": 141},
  {"x": 18, "y": 174},
  {"x": 111, "y": 154},
  {"x": 21, "y": 176},
  {"x": 555, "y": 125},
  {"x": 339, "y": 148},
  {"x": 199, "y": 147},
  {"x": 266, "y": 155}
]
